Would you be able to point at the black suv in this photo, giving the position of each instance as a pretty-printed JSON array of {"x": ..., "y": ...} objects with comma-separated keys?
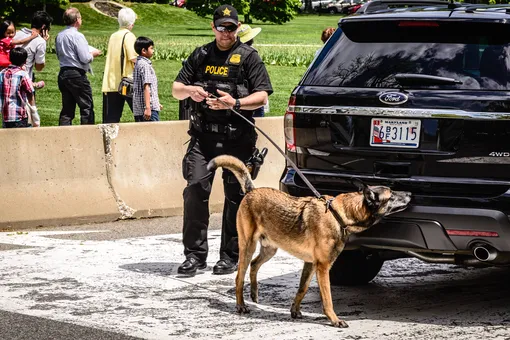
[{"x": 417, "y": 99}]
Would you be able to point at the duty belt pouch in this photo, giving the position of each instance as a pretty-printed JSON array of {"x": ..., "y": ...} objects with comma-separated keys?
[
  {"x": 255, "y": 162},
  {"x": 126, "y": 83}
]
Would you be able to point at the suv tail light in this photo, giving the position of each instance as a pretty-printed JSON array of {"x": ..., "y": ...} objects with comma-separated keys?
[{"x": 288, "y": 125}]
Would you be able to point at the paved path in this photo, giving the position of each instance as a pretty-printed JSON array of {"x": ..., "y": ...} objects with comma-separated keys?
[{"x": 119, "y": 280}]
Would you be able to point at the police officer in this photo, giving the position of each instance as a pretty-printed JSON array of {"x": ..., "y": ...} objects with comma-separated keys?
[{"x": 234, "y": 73}]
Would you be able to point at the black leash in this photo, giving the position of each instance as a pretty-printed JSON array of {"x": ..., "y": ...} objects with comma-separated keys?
[{"x": 329, "y": 202}]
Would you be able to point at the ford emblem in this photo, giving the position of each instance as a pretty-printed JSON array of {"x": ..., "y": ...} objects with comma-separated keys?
[{"x": 393, "y": 98}]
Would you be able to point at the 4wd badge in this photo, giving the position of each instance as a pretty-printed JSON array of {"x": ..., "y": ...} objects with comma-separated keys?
[{"x": 393, "y": 98}]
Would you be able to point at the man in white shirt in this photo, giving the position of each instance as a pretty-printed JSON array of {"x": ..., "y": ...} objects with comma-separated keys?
[{"x": 36, "y": 48}]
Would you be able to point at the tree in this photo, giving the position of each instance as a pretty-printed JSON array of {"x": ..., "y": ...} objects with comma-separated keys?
[
  {"x": 276, "y": 11},
  {"x": 23, "y": 9},
  {"x": 206, "y": 7}
]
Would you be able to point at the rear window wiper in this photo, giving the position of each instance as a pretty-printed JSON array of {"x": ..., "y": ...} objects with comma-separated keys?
[{"x": 423, "y": 79}]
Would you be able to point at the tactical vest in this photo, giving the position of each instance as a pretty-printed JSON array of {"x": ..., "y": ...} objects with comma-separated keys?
[{"x": 235, "y": 84}]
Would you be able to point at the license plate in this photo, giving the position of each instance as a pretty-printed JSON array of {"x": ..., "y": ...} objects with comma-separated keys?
[{"x": 397, "y": 133}]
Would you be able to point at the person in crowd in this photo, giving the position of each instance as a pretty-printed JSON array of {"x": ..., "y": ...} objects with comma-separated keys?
[
  {"x": 246, "y": 35},
  {"x": 326, "y": 33},
  {"x": 7, "y": 42},
  {"x": 36, "y": 48},
  {"x": 221, "y": 75},
  {"x": 120, "y": 61},
  {"x": 146, "y": 104},
  {"x": 17, "y": 93},
  {"x": 74, "y": 58}
]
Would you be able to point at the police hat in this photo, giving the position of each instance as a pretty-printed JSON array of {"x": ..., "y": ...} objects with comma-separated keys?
[{"x": 225, "y": 13}]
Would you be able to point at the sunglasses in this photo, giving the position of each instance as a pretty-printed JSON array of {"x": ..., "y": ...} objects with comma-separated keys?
[{"x": 230, "y": 28}]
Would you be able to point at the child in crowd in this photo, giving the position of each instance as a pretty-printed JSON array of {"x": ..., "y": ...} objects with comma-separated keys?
[
  {"x": 7, "y": 33},
  {"x": 17, "y": 93},
  {"x": 7, "y": 43},
  {"x": 146, "y": 104}
]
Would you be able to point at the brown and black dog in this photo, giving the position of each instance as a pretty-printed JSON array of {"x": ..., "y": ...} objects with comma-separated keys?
[{"x": 303, "y": 227}]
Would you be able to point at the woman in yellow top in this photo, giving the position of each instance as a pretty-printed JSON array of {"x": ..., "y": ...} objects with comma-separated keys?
[{"x": 113, "y": 102}]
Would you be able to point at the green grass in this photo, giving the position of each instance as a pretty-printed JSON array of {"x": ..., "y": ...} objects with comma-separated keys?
[{"x": 176, "y": 32}]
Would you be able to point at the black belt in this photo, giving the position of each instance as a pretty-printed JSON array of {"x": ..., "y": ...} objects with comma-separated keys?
[
  {"x": 220, "y": 130},
  {"x": 67, "y": 68}
]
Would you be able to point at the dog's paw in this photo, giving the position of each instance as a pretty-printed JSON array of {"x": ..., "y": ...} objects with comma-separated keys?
[
  {"x": 242, "y": 309},
  {"x": 340, "y": 324},
  {"x": 295, "y": 314},
  {"x": 254, "y": 297}
]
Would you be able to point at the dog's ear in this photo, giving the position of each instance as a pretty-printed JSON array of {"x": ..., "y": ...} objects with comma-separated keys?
[
  {"x": 358, "y": 184},
  {"x": 371, "y": 198}
]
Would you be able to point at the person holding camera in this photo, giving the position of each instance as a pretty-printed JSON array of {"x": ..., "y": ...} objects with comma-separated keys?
[
  {"x": 222, "y": 75},
  {"x": 36, "y": 48}
]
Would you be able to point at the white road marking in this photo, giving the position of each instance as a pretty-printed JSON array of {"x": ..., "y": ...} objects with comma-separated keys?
[{"x": 131, "y": 286}]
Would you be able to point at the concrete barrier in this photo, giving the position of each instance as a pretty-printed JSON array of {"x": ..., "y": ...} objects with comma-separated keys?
[
  {"x": 147, "y": 163},
  {"x": 61, "y": 175},
  {"x": 53, "y": 176}
]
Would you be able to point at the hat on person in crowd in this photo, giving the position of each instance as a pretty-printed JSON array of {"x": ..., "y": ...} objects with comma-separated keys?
[
  {"x": 246, "y": 33},
  {"x": 225, "y": 13}
]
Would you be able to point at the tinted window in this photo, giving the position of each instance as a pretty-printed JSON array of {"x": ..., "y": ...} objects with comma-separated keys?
[{"x": 369, "y": 54}]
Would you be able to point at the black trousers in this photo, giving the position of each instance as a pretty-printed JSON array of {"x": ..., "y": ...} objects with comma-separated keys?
[
  {"x": 113, "y": 104},
  {"x": 196, "y": 195},
  {"x": 75, "y": 88}
]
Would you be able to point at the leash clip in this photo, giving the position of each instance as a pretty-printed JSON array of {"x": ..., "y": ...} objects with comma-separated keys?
[{"x": 328, "y": 202}]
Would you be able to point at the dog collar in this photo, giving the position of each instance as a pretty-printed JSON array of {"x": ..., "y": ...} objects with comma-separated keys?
[{"x": 329, "y": 206}]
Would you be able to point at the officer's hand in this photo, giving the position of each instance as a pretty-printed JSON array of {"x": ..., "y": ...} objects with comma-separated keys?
[
  {"x": 197, "y": 93},
  {"x": 222, "y": 103}
]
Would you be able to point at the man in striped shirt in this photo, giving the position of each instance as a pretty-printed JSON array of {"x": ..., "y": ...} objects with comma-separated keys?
[{"x": 16, "y": 90}]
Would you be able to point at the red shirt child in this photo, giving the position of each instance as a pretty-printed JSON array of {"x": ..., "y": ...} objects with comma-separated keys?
[{"x": 7, "y": 32}]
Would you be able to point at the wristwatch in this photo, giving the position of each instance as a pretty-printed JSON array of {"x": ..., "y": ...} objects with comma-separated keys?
[{"x": 237, "y": 105}]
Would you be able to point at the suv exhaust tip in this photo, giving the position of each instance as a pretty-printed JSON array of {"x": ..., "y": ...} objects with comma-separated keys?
[{"x": 484, "y": 253}]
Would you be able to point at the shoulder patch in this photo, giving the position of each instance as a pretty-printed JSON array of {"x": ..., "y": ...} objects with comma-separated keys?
[{"x": 235, "y": 59}]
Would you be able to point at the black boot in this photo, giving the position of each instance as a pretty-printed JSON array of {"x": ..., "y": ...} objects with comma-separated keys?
[
  {"x": 190, "y": 266},
  {"x": 224, "y": 266}
]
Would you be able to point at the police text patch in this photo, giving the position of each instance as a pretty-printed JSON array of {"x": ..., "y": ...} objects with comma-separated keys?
[{"x": 217, "y": 70}]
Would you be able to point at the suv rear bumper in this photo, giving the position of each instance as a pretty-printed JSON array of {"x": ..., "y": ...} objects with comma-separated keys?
[{"x": 425, "y": 228}]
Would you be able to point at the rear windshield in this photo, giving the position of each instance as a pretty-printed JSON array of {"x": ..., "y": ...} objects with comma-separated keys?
[{"x": 369, "y": 54}]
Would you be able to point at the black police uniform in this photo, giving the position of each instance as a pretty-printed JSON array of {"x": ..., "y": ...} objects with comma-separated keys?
[{"x": 240, "y": 72}]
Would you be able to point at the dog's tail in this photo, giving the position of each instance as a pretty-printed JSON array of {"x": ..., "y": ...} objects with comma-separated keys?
[{"x": 237, "y": 167}]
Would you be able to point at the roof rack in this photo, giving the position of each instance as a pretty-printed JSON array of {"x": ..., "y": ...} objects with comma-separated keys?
[
  {"x": 471, "y": 8},
  {"x": 382, "y": 5}
]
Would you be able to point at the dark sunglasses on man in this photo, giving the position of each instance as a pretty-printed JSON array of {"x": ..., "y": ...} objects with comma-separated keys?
[{"x": 229, "y": 28}]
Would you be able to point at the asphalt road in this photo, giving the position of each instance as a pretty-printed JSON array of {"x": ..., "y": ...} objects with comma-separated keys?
[{"x": 119, "y": 281}]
